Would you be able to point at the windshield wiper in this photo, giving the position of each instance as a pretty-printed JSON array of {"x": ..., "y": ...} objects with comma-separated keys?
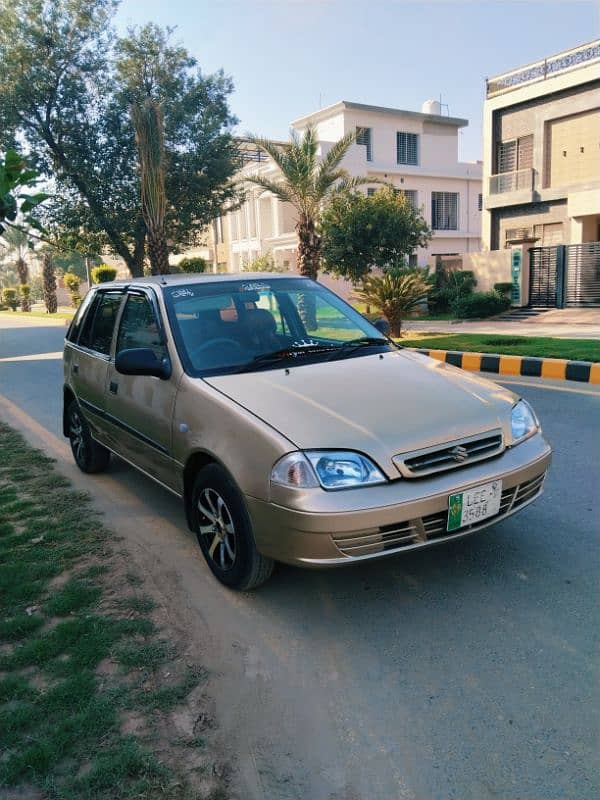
[
  {"x": 355, "y": 344},
  {"x": 283, "y": 354}
]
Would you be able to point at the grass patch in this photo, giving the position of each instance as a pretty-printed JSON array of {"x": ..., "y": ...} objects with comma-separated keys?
[
  {"x": 61, "y": 728},
  {"x": 64, "y": 315},
  {"x": 544, "y": 347}
]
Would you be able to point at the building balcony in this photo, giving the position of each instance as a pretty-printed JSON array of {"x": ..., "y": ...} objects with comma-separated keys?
[{"x": 510, "y": 188}]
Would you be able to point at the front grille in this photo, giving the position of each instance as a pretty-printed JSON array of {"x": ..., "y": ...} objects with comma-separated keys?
[
  {"x": 431, "y": 527},
  {"x": 460, "y": 453}
]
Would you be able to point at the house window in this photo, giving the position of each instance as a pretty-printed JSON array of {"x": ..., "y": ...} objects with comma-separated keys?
[
  {"x": 514, "y": 155},
  {"x": 371, "y": 191},
  {"x": 412, "y": 260},
  {"x": 411, "y": 196},
  {"x": 479, "y": 202},
  {"x": 363, "y": 136},
  {"x": 407, "y": 148},
  {"x": 444, "y": 211}
]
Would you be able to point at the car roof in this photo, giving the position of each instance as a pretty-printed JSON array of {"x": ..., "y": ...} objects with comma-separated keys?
[{"x": 161, "y": 281}]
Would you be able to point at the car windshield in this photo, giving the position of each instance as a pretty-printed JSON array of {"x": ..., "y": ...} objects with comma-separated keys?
[{"x": 242, "y": 325}]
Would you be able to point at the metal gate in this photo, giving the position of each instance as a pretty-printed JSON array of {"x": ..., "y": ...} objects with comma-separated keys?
[
  {"x": 582, "y": 283},
  {"x": 543, "y": 266}
]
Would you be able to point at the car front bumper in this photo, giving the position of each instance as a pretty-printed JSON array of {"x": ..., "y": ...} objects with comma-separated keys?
[{"x": 343, "y": 527}]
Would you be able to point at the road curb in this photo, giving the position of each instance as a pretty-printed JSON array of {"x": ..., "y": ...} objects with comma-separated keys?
[{"x": 553, "y": 368}]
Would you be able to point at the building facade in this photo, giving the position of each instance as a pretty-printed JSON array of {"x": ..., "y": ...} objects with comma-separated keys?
[
  {"x": 542, "y": 174},
  {"x": 416, "y": 152}
]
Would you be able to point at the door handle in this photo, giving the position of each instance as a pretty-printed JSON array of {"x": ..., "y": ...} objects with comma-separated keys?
[
  {"x": 75, "y": 368},
  {"x": 113, "y": 387}
]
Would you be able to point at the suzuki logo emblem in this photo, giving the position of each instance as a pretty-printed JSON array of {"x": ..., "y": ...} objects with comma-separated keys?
[{"x": 459, "y": 453}]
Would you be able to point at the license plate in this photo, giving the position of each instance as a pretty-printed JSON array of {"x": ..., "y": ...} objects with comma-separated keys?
[{"x": 474, "y": 505}]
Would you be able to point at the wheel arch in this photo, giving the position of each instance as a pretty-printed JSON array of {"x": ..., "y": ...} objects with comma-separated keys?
[{"x": 197, "y": 461}]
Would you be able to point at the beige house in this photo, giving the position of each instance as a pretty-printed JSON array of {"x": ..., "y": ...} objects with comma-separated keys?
[
  {"x": 542, "y": 175},
  {"x": 415, "y": 151}
]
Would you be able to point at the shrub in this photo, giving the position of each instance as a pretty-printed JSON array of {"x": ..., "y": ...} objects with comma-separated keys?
[
  {"x": 72, "y": 282},
  {"x": 394, "y": 293},
  {"x": 505, "y": 288},
  {"x": 263, "y": 263},
  {"x": 480, "y": 304},
  {"x": 10, "y": 298},
  {"x": 25, "y": 292},
  {"x": 104, "y": 273},
  {"x": 450, "y": 285},
  {"x": 195, "y": 264}
]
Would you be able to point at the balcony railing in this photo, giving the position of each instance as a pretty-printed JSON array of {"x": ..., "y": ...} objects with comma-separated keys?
[
  {"x": 540, "y": 70},
  {"x": 252, "y": 155},
  {"x": 521, "y": 180}
]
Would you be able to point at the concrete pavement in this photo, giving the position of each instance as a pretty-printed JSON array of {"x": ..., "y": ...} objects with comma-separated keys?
[{"x": 464, "y": 672}]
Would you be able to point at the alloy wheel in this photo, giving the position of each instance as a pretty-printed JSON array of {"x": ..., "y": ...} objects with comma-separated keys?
[
  {"x": 217, "y": 528},
  {"x": 76, "y": 437}
]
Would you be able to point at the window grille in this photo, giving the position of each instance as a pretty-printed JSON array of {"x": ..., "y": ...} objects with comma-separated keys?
[
  {"x": 363, "y": 136},
  {"x": 407, "y": 148},
  {"x": 479, "y": 202},
  {"x": 444, "y": 211}
]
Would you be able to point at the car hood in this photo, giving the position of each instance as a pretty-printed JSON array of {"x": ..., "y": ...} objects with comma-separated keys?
[{"x": 380, "y": 405}]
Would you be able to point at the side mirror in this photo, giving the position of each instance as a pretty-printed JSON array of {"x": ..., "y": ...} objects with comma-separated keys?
[
  {"x": 142, "y": 361},
  {"x": 383, "y": 326}
]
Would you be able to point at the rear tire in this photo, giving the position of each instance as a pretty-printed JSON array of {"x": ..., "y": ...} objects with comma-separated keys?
[
  {"x": 89, "y": 456},
  {"x": 224, "y": 531}
]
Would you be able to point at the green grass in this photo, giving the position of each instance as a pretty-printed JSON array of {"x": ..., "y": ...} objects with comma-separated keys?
[
  {"x": 575, "y": 349},
  {"x": 64, "y": 315},
  {"x": 60, "y": 620}
]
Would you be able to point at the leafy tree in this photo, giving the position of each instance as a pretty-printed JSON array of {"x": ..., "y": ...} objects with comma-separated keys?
[
  {"x": 72, "y": 282},
  {"x": 308, "y": 183},
  {"x": 9, "y": 298},
  {"x": 14, "y": 176},
  {"x": 395, "y": 293},
  {"x": 361, "y": 232},
  {"x": 49, "y": 283},
  {"x": 104, "y": 273},
  {"x": 192, "y": 264},
  {"x": 67, "y": 93}
]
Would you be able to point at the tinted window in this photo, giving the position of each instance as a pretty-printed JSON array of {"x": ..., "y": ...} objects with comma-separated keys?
[
  {"x": 78, "y": 320},
  {"x": 139, "y": 326},
  {"x": 97, "y": 335}
]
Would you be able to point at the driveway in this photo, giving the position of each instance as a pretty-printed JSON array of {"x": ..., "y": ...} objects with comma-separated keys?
[{"x": 464, "y": 672}]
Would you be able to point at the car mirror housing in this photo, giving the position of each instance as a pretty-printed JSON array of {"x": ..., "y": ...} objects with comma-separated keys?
[{"x": 142, "y": 361}]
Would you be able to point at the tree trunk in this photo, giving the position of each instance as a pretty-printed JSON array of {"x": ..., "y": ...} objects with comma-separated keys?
[
  {"x": 49, "y": 280},
  {"x": 395, "y": 320},
  {"x": 309, "y": 252},
  {"x": 158, "y": 252},
  {"x": 23, "y": 273}
]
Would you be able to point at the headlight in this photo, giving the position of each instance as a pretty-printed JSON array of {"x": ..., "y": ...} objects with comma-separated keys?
[
  {"x": 332, "y": 469},
  {"x": 523, "y": 422}
]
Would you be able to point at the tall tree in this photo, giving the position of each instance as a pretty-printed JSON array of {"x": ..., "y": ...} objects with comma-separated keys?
[
  {"x": 62, "y": 95},
  {"x": 308, "y": 182},
  {"x": 16, "y": 240},
  {"x": 361, "y": 232},
  {"x": 49, "y": 283}
]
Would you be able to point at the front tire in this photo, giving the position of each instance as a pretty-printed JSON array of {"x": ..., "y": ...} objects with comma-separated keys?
[
  {"x": 89, "y": 456},
  {"x": 224, "y": 531}
]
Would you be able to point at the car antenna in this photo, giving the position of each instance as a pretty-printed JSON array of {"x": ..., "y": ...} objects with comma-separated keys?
[{"x": 163, "y": 280}]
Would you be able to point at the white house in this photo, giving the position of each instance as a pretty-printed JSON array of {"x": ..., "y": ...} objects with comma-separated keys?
[{"x": 416, "y": 151}]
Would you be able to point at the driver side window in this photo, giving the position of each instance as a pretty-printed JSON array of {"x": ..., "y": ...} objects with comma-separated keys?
[{"x": 139, "y": 327}]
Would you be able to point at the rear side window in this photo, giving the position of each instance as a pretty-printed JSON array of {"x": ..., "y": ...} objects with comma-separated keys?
[
  {"x": 80, "y": 316},
  {"x": 99, "y": 325}
]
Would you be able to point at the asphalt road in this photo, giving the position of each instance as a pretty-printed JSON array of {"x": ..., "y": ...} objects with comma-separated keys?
[{"x": 464, "y": 672}]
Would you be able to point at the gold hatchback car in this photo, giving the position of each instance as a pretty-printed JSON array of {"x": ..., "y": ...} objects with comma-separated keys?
[{"x": 293, "y": 429}]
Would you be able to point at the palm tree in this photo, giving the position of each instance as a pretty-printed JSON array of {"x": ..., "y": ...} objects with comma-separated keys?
[
  {"x": 307, "y": 182},
  {"x": 17, "y": 241},
  {"x": 395, "y": 293},
  {"x": 150, "y": 139},
  {"x": 49, "y": 283}
]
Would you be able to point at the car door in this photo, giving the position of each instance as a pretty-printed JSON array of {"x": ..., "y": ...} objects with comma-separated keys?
[
  {"x": 140, "y": 407},
  {"x": 88, "y": 356}
]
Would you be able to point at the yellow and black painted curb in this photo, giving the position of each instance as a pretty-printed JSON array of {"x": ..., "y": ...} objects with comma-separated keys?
[{"x": 554, "y": 368}]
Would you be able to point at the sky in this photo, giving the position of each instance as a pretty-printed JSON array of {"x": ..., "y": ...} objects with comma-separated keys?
[{"x": 289, "y": 58}]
